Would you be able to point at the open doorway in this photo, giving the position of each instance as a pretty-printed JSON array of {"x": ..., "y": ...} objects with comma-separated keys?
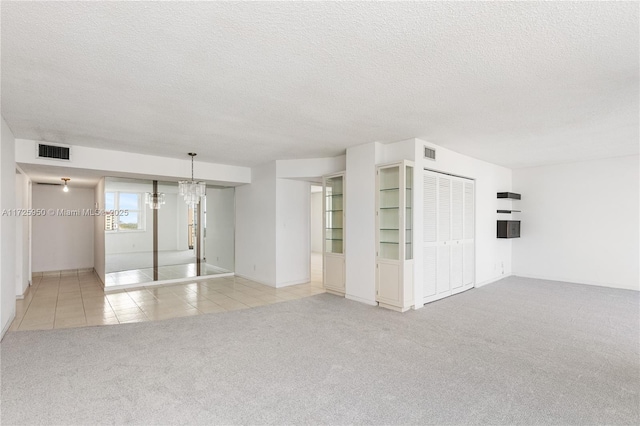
[{"x": 316, "y": 234}]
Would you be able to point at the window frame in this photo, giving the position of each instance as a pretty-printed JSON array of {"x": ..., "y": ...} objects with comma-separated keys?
[{"x": 141, "y": 211}]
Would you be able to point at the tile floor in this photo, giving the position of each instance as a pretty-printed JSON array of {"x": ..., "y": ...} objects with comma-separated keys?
[
  {"x": 78, "y": 299},
  {"x": 169, "y": 272}
]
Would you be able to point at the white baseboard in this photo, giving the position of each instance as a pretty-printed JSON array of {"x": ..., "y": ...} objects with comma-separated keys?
[
  {"x": 585, "y": 282},
  {"x": 246, "y": 277},
  {"x": 295, "y": 282},
  {"x": 361, "y": 300},
  {"x": 99, "y": 279},
  {"x": 277, "y": 285},
  {"x": 493, "y": 280},
  {"x": 6, "y": 327}
]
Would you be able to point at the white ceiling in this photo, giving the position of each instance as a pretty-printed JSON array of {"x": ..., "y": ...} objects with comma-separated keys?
[{"x": 517, "y": 84}]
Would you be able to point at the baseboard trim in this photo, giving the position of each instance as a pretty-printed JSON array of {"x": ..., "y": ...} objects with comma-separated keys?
[
  {"x": 6, "y": 327},
  {"x": 563, "y": 280},
  {"x": 99, "y": 279},
  {"x": 113, "y": 288},
  {"x": 296, "y": 282},
  {"x": 361, "y": 300},
  {"x": 246, "y": 277},
  {"x": 63, "y": 272},
  {"x": 493, "y": 280}
]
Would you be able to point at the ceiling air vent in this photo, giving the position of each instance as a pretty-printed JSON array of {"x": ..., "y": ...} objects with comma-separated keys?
[
  {"x": 429, "y": 153},
  {"x": 54, "y": 151}
]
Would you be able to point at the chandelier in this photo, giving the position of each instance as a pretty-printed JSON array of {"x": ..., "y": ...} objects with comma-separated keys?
[
  {"x": 154, "y": 200},
  {"x": 192, "y": 190}
]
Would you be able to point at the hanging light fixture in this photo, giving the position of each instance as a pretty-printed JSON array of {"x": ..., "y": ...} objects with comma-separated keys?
[
  {"x": 154, "y": 200},
  {"x": 192, "y": 190},
  {"x": 66, "y": 188}
]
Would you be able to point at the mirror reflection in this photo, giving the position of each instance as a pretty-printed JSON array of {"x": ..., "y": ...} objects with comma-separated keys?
[{"x": 175, "y": 241}]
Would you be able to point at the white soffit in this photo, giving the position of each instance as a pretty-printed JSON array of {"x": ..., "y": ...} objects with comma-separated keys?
[{"x": 517, "y": 84}]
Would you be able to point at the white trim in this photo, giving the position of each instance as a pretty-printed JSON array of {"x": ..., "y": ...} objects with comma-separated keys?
[
  {"x": 6, "y": 328},
  {"x": 295, "y": 282},
  {"x": 361, "y": 300},
  {"x": 493, "y": 280},
  {"x": 246, "y": 277},
  {"x": 112, "y": 288},
  {"x": 563, "y": 280}
]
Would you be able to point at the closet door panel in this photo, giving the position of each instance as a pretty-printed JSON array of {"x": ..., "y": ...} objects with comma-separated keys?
[
  {"x": 443, "y": 285},
  {"x": 457, "y": 209},
  {"x": 448, "y": 235},
  {"x": 444, "y": 209},
  {"x": 430, "y": 260},
  {"x": 456, "y": 266}
]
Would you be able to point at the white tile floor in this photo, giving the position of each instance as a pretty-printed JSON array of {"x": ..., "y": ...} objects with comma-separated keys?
[
  {"x": 78, "y": 299},
  {"x": 141, "y": 276}
]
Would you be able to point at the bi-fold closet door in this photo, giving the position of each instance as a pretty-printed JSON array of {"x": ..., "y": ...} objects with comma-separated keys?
[{"x": 448, "y": 240}]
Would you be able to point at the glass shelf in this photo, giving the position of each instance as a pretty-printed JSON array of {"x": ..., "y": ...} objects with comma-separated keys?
[
  {"x": 395, "y": 216},
  {"x": 334, "y": 214}
]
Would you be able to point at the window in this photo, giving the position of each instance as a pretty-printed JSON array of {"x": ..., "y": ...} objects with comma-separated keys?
[{"x": 125, "y": 211}]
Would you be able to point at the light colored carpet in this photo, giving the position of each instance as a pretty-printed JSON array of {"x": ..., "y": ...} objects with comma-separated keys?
[{"x": 515, "y": 352}]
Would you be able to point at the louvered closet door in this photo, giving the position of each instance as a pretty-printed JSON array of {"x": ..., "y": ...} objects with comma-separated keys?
[
  {"x": 430, "y": 234},
  {"x": 457, "y": 212},
  {"x": 448, "y": 243},
  {"x": 443, "y": 283}
]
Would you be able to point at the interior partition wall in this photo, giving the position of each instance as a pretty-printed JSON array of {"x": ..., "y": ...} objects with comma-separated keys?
[{"x": 172, "y": 242}]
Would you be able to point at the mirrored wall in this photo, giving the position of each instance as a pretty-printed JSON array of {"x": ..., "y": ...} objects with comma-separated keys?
[{"x": 175, "y": 241}]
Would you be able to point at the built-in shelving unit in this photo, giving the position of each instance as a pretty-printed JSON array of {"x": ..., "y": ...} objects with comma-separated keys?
[
  {"x": 333, "y": 246},
  {"x": 508, "y": 228},
  {"x": 394, "y": 236}
]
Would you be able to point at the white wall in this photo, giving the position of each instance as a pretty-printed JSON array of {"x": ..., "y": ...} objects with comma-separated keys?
[
  {"x": 7, "y": 228},
  {"x": 310, "y": 167},
  {"x": 292, "y": 232},
  {"x": 220, "y": 238},
  {"x": 98, "y": 232},
  {"x": 62, "y": 242},
  {"x": 360, "y": 241},
  {"x": 256, "y": 226},
  {"x": 316, "y": 222},
  {"x": 272, "y": 228},
  {"x": 23, "y": 240},
  {"x": 580, "y": 222},
  {"x": 493, "y": 255}
]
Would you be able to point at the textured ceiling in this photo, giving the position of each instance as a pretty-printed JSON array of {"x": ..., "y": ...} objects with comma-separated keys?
[{"x": 518, "y": 84}]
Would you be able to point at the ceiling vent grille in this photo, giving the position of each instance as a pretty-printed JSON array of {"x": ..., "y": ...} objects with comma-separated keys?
[
  {"x": 54, "y": 151},
  {"x": 429, "y": 153}
]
